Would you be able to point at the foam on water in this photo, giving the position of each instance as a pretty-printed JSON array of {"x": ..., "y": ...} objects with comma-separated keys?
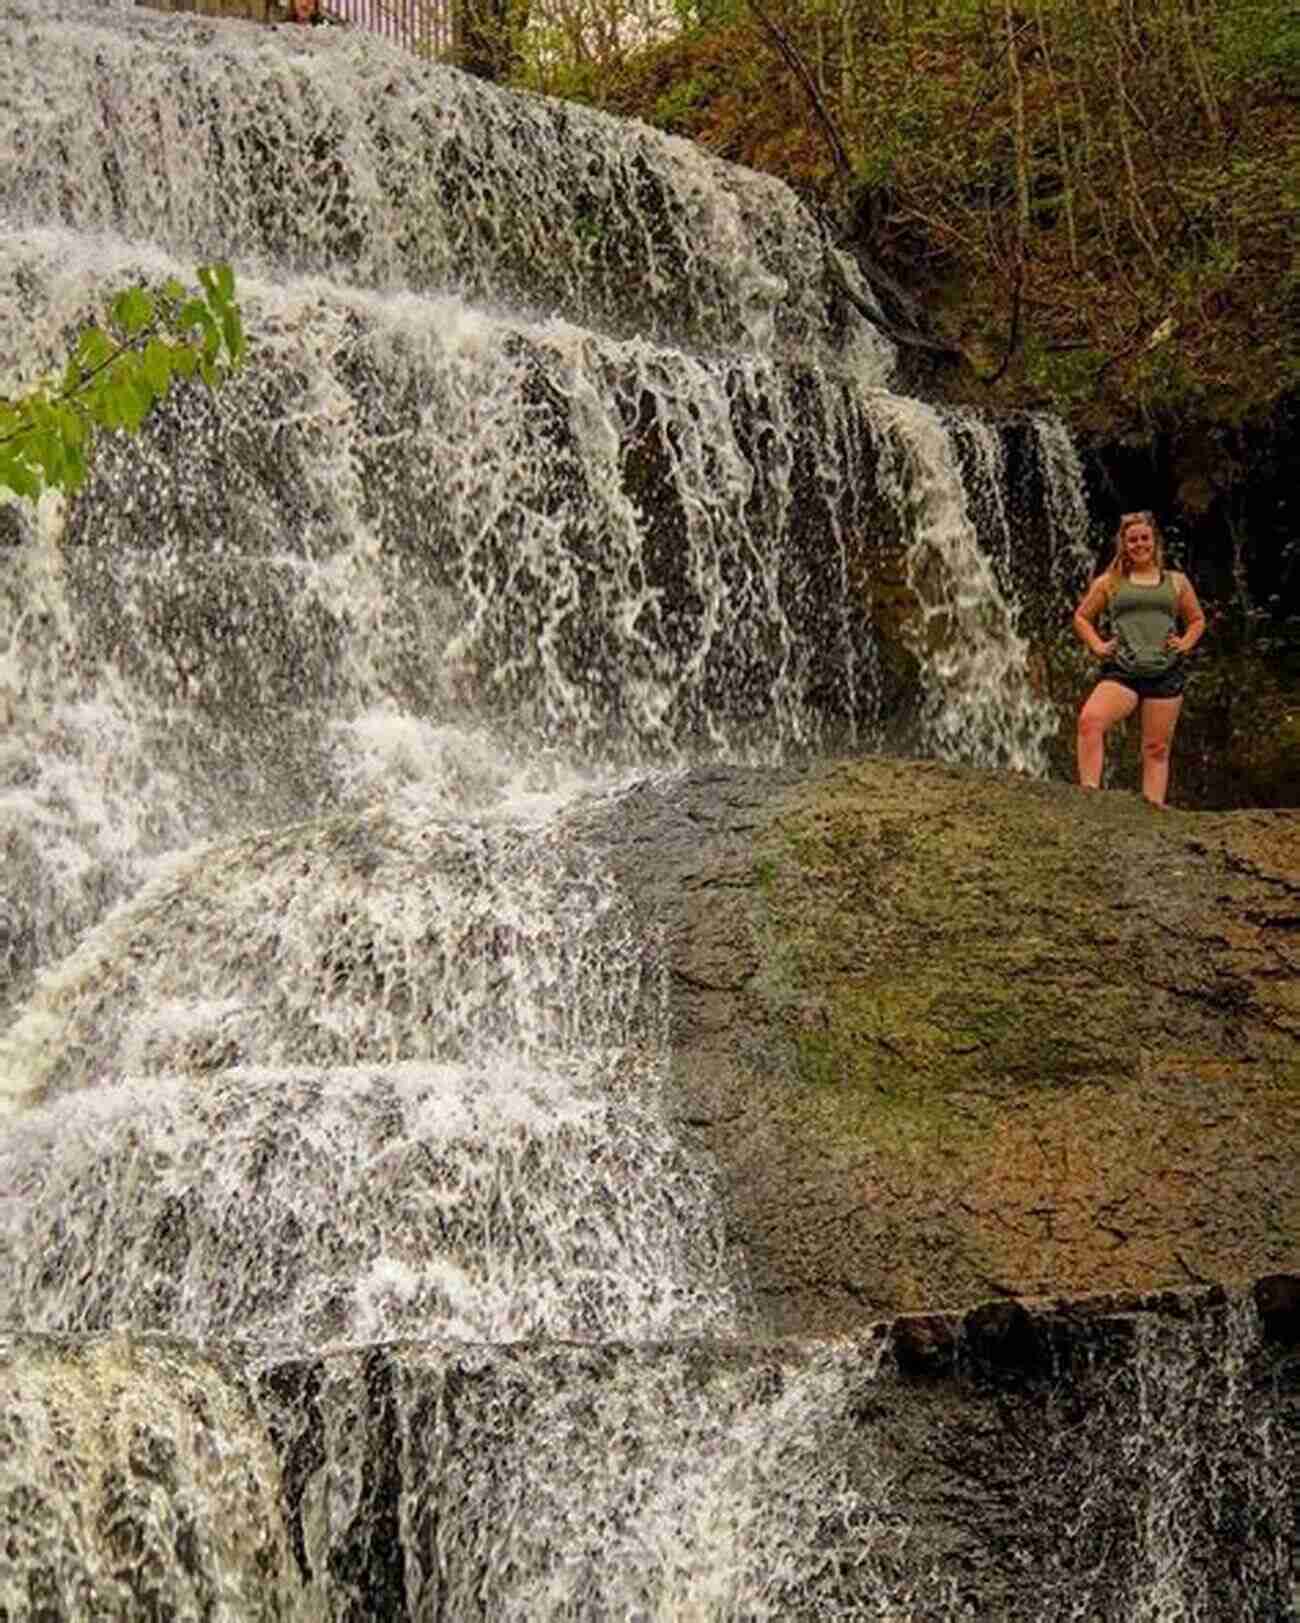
[
  {"x": 135, "y": 1482},
  {"x": 529, "y": 549},
  {"x": 381, "y": 1073},
  {"x": 498, "y": 1201},
  {"x": 370, "y": 937},
  {"x": 702, "y": 1496}
]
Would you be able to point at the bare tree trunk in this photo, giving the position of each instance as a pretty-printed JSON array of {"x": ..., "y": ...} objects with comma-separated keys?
[
  {"x": 1062, "y": 146},
  {"x": 1139, "y": 218},
  {"x": 795, "y": 62},
  {"x": 1198, "y": 72},
  {"x": 485, "y": 37},
  {"x": 1022, "y": 144}
]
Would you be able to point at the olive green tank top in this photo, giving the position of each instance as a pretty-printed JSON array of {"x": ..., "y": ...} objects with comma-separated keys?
[{"x": 1142, "y": 618}]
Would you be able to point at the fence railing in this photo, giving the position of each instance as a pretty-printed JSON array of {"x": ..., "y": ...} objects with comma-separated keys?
[
  {"x": 425, "y": 27},
  {"x": 258, "y": 11}
]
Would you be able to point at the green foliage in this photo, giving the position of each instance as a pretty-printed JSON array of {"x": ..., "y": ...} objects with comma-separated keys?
[
  {"x": 117, "y": 373},
  {"x": 674, "y": 108},
  {"x": 1096, "y": 204},
  {"x": 707, "y": 14},
  {"x": 1068, "y": 376},
  {"x": 1260, "y": 40}
]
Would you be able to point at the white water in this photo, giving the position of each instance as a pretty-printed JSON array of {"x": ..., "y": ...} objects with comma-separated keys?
[
  {"x": 413, "y": 518},
  {"x": 375, "y": 1076}
]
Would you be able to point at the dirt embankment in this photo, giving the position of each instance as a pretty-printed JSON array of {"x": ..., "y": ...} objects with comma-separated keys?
[{"x": 952, "y": 1035}]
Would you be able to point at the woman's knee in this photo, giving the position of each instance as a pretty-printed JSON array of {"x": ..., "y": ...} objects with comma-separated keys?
[
  {"x": 1092, "y": 725},
  {"x": 1156, "y": 749}
]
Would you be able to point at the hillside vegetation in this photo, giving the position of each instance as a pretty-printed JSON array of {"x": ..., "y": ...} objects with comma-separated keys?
[{"x": 1090, "y": 204}]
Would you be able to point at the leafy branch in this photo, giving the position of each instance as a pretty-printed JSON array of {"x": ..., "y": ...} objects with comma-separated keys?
[{"x": 119, "y": 370}]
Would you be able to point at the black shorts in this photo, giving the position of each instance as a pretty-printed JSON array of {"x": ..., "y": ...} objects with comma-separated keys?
[{"x": 1164, "y": 685}]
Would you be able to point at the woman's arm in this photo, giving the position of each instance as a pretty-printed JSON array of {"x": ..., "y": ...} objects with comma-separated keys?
[
  {"x": 1085, "y": 619},
  {"x": 1188, "y": 609}
]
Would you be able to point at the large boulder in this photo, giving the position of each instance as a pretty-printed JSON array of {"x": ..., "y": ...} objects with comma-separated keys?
[{"x": 953, "y": 1035}]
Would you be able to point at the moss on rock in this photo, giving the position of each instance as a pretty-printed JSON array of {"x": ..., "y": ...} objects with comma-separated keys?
[{"x": 952, "y": 1034}]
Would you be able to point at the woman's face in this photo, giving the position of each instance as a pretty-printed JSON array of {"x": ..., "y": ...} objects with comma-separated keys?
[{"x": 1139, "y": 543}]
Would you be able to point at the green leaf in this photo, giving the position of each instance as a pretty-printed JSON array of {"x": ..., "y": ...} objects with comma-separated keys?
[
  {"x": 40, "y": 413},
  {"x": 21, "y": 480},
  {"x": 218, "y": 283},
  {"x": 94, "y": 348},
  {"x": 115, "y": 382},
  {"x": 106, "y": 406},
  {"x": 233, "y": 331},
  {"x": 133, "y": 310},
  {"x": 46, "y": 451},
  {"x": 157, "y": 364},
  {"x": 73, "y": 427},
  {"x": 93, "y": 397},
  {"x": 193, "y": 314},
  {"x": 74, "y": 469},
  {"x": 135, "y": 403}
]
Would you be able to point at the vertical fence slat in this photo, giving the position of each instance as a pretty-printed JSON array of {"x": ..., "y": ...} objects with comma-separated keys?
[{"x": 426, "y": 28}]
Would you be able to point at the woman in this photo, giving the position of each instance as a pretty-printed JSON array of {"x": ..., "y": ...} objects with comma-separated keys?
[{"x": 1142, "y": 659}]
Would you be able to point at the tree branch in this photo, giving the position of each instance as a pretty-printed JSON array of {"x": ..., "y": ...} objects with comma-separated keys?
[
  {"x": 799, "y": 68},
  {"x": 85, "y": 379},
  {"x": 1013, "y": 334},
  {"x": 900, "y": 335}
]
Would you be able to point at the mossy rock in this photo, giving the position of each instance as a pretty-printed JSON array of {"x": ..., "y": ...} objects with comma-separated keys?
[{"x": 953, "y": 1034}]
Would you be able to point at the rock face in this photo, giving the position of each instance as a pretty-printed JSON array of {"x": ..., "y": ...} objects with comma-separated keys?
[
  {"x": 1017, "y": 1461},
  {"x": 953, "y": 1035},
  {"x": 136, "y": 1481}
]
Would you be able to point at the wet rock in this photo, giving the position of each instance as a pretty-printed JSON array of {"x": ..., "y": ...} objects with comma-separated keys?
[
  {"x": 926, "y": 1344},
  {"x": 1278, "y": 1299},
  {"x": 797, "y": 1478},
  {"x": 15, "y": 526}
]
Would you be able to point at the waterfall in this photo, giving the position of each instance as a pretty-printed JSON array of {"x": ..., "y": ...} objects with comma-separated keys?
[
  {"x": 411, "y": 510},
  {"x": 351, "y": 1262},
  {"x": 408, "y": 1082}
]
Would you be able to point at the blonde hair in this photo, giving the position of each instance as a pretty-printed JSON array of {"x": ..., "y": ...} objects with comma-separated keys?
[{"x": 1117, "y": 568}]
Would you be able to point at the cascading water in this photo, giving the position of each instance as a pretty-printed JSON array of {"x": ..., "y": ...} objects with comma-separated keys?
[
  {"x": 426, "y": 1063},
  {"x": 329, "y": 1035},
  {"x": 409, "y": 509}
]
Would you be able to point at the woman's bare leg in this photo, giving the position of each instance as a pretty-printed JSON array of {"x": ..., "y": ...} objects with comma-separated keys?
[
  {"x": 1159, "y": 718},
  {"x": 1108, "y": 703}
]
